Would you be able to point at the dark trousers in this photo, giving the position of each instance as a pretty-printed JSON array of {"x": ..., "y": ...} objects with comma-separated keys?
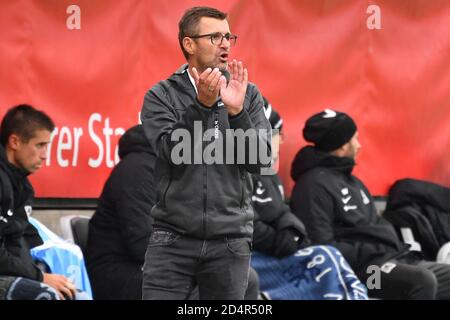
[
  {"x": 252, "y": 292},
  {"x": 421, "y": 280},
  {"x": 109, "y": 284},
  {"x": 175, "y": 264},
  {"x": 121, "y": 280}
]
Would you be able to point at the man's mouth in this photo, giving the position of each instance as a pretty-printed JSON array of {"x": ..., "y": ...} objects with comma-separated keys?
[{"x": 223, "y": 57}]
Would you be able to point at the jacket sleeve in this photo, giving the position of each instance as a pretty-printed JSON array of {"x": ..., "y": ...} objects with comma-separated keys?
[
  {"x": 263, "y": 236},
  {"x": 136, "y": 197},
  {"x": 270, "y": 240},
  {"x": 315, "y": 207},
  {"x": 159, "y": 119},
  {"x": 254, "y": 118},
  {"x": 275, "y": 242},
  {"x": 11, "y": 265},
  {"x": 272, "y": 218},
  {"x": 264, "y": 233},
  {"x": 288, "y": 220}
]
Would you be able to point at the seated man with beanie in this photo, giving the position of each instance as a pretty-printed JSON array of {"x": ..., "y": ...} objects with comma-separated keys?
[
  {"x": 281, "y": 256},
  {"x": 338, "y": 210}
]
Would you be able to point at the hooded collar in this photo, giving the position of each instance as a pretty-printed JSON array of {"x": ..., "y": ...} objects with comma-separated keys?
[
  {"x": 309, "y": 158},
  {"x": 133, "y": 140},
  {"x": 18, "y": 176},
  {"x": 9, "y": 167},
  {"x": 181, "y": 78}
]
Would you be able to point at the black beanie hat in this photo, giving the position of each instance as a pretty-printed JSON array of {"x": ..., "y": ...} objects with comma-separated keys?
[
  {"x": 329, "y": 130},
  {"x": 274, "y": 117}
]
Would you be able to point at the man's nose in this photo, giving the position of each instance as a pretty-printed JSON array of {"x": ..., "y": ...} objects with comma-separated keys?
[
  {"x": 43, "y": 154},
  {"x": 225, "y": 43}
]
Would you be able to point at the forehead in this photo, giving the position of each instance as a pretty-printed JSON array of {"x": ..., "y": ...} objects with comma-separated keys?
[
  {"x": 40, "y": 136},
  {"x": 354, "y": 138},
  {"x": 209, "y": 25}
]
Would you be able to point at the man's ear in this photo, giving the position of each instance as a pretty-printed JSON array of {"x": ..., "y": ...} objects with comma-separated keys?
[
  {"x": 344, "y": 148},
  {"x": 341, "y": 151},
  {"x": 189, "y": 45},
  {"x": 13, "y": 141}
]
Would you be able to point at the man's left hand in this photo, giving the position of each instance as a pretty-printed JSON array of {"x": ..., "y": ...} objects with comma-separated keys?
[{"x": 233, "y": 94}]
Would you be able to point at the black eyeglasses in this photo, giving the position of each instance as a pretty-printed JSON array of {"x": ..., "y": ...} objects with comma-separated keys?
[{"x": 217, "y": 38}]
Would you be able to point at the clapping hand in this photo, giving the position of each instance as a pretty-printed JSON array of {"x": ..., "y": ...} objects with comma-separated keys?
[
  {"x": 210, "y": 83},
  {"x": 233, "y": 94}
]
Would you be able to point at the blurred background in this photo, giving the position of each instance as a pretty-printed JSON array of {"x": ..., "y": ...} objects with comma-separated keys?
[{"x": 89, "y": 63}]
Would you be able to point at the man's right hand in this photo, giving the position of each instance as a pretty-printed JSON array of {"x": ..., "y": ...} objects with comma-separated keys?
[
  {"x": 286, "y": 243},
  {"x": 61, "y": 284},
  {"x": 208, "y": 85}
]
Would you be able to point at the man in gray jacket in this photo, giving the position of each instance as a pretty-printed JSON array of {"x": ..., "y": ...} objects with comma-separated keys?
[{"x": 207, "y": 129}]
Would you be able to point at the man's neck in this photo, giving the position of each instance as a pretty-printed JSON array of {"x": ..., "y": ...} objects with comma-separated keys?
[
  {"x": 10, "y": 156},
  {"x": 338, "y": 153},
  {"x": 189, "y": 71}
]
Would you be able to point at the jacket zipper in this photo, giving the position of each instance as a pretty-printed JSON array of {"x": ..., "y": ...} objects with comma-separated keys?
[
  {"x": 400, "y": 254},
  {"x": 205, "y": 200},
  {"x": 205, "y": 177},
  {"x": 241, "y": 178},
  {"x": 165, "y": 191}
]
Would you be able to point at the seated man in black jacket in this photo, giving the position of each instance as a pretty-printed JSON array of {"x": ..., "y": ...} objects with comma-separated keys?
[
  {"x": 338, "y": 209},
  {"x": 121, "y": 226},
  {"x": 277, "y": 231},
  {"x": 284, "y": 271},
  {"x": 24, "y": 134}
]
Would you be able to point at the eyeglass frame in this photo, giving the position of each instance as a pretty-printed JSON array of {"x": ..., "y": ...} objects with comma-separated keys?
[{"x": 211, "y": 35}]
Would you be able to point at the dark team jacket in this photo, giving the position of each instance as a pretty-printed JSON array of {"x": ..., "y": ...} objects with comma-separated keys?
[
  {"x": 424, "y": 207},
  {"x": 272, "y": 214},
  {"x": 203, "y": 200},
  {"x": 337, "y": 209},
  {"x": 121, "y": 225},
  {"x": 17, "y": 235}
]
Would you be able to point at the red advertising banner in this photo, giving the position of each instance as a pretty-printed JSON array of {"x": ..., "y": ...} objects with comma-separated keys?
[{"x": 88, "y": 64}]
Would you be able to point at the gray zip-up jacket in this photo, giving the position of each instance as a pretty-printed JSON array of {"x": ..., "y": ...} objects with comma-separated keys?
[{"x": 199, "y": 197}]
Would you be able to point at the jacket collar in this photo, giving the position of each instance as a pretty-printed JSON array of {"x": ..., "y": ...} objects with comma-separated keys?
[
  {"x": 309, "y": 158},
  {"x": 9, "y": 167},
  {"x": 181, "y": 79},
  {"x": 182, "y": 69}
]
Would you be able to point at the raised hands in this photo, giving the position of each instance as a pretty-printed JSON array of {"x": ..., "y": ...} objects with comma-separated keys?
[{"x": 211, "y": 83}]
